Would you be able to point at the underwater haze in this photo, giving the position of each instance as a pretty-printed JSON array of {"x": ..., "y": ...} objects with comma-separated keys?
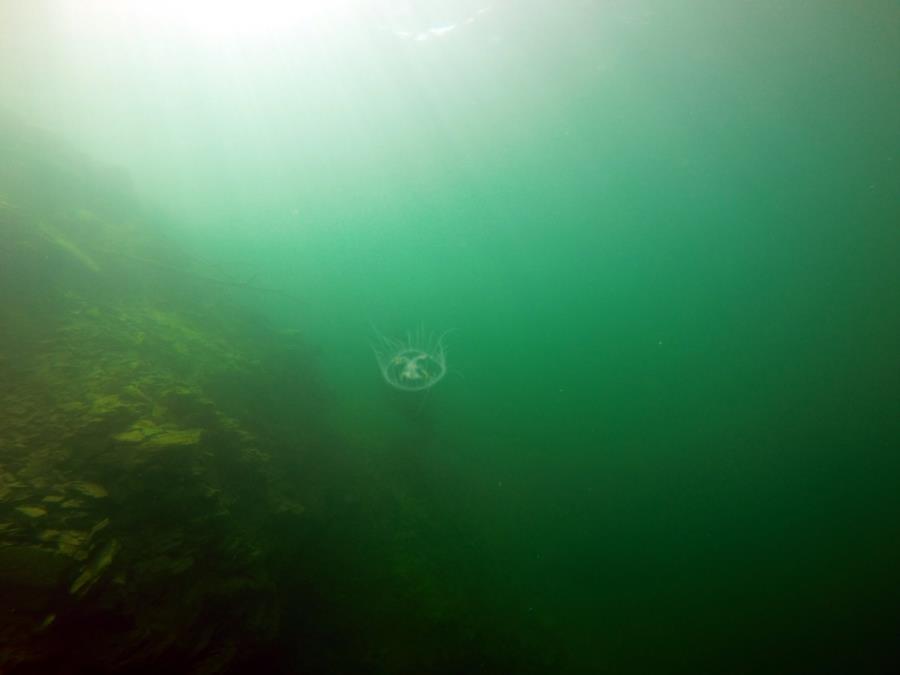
[{"x": 660, "y": 242}]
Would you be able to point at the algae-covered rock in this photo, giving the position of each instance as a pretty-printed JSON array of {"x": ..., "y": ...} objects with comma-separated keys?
[
  {"x": 152, "y": 435},
  {"x": 103, "y": 405},
  {"x": 67, "y": 542},
  {"x": 176, "y": 437},
  {"x": 95, "y": 567},
  {"x": 140, "y": 431},
  {"x": 88, "y": 489},
  {"x": 131, "y": 436}
]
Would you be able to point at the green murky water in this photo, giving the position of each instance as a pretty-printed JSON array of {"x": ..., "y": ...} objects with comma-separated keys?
[{"x": 665, "y": 237}]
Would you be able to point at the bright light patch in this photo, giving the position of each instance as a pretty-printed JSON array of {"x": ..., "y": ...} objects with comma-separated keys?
[
  {"x": 226, "y": 18},
  {"x": 424, "y": 34},
  {"x": 236, "y": 22}
]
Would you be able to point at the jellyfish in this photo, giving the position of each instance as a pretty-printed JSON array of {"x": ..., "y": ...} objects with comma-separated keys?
[{"x": 414, "y": 363}]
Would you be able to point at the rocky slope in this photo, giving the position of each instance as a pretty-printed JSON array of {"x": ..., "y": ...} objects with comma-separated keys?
[{"x": 134, "y": 479}]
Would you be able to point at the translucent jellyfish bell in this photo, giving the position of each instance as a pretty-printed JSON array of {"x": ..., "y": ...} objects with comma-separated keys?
[{"x": 415, "y": 363}]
